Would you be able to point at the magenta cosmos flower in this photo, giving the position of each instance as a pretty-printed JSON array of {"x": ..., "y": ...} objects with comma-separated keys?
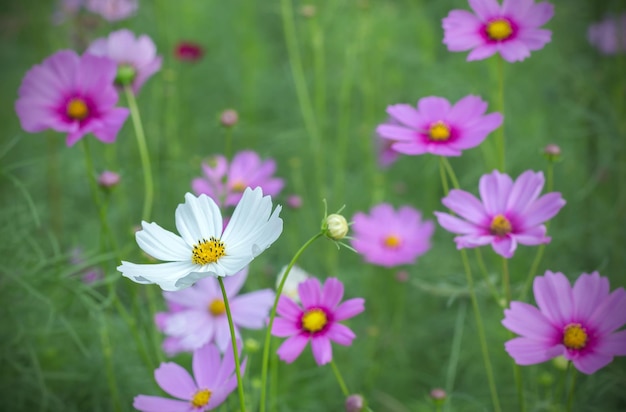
[
  {"x": 136, "y": 57},
  {"x": 389, "y": 238},
  {"x": 507, "y": 214},
  {"x": 225, "y": 183},
  {"x": 199, "y": 314},
  {"x": 113, "y": 10},
  {"x": 214, "y": 379},
  {"x": 511, "y": 29},
  {"x": 609, "y": 35},
  {"x": 73, "y": 94},
  {"x": 438, "y": 128},
  {"x": 577, "y": 322},
  {"x": 317, "y": 320}
]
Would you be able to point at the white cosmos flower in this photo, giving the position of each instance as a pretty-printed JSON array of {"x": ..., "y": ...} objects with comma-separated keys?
[
  {"x": 204, "y": 248},
  {"x": 290, "y": 288}
]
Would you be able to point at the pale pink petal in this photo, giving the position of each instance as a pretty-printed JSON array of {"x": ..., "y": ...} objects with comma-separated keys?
[
  {"x": 399, "y": 133},
  {"x": 147, "y": 403},
  {"x": 332, "y": 293},
  {"x": 516, "y": 8},
  {"x": 405, "y": 114},
  {"x": 535, "y": 39},
  {"x": 283, "y": 328},
  {"x": 322, "y": 349},
  {"x": 504, "y": 246},
  {"x": 545, "y": 208},
  {"x": 532, "y": 237},
  {"x": 455, "y": 225},
  {"x": 461, "y": 30},
  {"x": 340, "y": 334},
  {"x": 465, "y": 205},
  {"x": 467, "y": 109},
  {"x": 442, "y": 150},
  {"x": 205, "y": 363},
  {"x": 485, "y": 9},
  {"x": 252, "y": 309},
  {"x": 591, "y": 362},
  {"x": 349, "y": 308},
  {"x": 525, "y": 191},
  {"x": 494, "y": 191},
  {"x": 288, "y": 309},
  {"x": 175, "y": 380},
  {"x": 310, "y": 292},
  {"x": 482, "y": 52},
  {"x": 553, "y": 295},
  {"x": 414, "y": 148},
  {"x": 613, "y": 344},
  {"x": 233, "y": 284},
  {"x": 527, "y": 321},
  {"x": 538, "y": 15},
  {"x": 610, "y": 314},
  {"x": 222, "y": 333},
  {"x": 589, "y": 291},
  {"x": 433, "y": 108},
  {"x": 526, "y": 351},
  {"x": 513, "y": 50},
  {"x": 292, "y": 348},
  {"x": 473, "y": 240}
]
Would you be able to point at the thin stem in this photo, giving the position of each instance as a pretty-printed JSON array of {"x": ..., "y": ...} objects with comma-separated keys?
[
  {"x": 143, "y": 153},
  {"x": 233, "y": 339},
  {"x": 450, "y": 170},
  {"x": 570, "y": 397},
  {"x": 268, "y": 334},
  {"x": 229, "y": 142},
  {"x": 342, "y": 383},
  {"x": 442, "y": 173},
  {"x": 485, "y": 273},
  {"x": 481, "y": 333},
  {"x": 519, "y": 384},
  {"x": 501, "y": 140},
  {"x": 506, "y": 280}
]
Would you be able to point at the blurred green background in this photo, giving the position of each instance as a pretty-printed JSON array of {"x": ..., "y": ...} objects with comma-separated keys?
[{"x": 62, "y": 344}]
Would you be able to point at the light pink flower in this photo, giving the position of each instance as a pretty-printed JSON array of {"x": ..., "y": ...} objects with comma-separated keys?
[
  {"x": 199, "y": 315},
  {"x": 72, "y": 94},
  {"x": 214, "y": 379},
  {"x": 389, "y": 238},
  {"x": 513, "y": 29},
  {"x": 507, "y": 214},
  {"x": 225, "y": 183},
  {"x": 578, "y": 322},
  {"x": 437, "y": 127},
  {"x": 113, "y": 10},
  {"x": 609, "y": 35},
  {"x": 136, "y": 58},
  {"x": 316, "y": 321}
]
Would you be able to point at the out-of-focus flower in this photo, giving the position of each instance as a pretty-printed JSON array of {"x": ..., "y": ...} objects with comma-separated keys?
[
  {"x": 509, "y": 213},
  {"x": 578, "y": 322},
  {"x": 552, "y": 152},
  {"x": 290, "y": 288},
  {"x": 72, "y": 94},
  {"x": 609, "y": 35},
  {"x": 316, "y": 321},
  {"x": 294, "y": 201},
  {"x": 136, "y": 58},
  {"x": 108, "y": 179},
  {"x": 513, "y": 29},
  {"x": 229, "y": 118},
  {"x": 386, "y": 155},
  {"x": 335, "y": 226},
  {"x": 188, "y": 51},
  {"x": 66, "y": 9},
  {"x": 225, "y": 183},
  {"x": 204, "y": 248},
  {"x": 199, "y": 316},
  {"x": 355, "y": 403},
  {"x": 213, "y": 380},
  {"x": 89, "y": 275},
  {"x": 389, "y": 238},
  {"x": 308, "y": 10},
  {"x": 113, "y": 10},
  {"x": 437, "y": 127}
]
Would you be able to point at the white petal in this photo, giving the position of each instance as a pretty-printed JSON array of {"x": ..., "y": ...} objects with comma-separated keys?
[
  {"x": 162, "y": 244},
  {"x": 166, "y": 275},
  {"x": 198, "y": 218}
]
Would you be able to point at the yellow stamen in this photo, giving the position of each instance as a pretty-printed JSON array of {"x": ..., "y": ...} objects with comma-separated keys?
[
  {"x": 439, "y": 131},
  {"x": 77, "y": 109},
  {"x": 500, "y": 226},
  {"x": 393, "y": 241},
  {"x": 314, "y": 320},
  {"x": 217, "y": 307},
  {"x": 238, "y": 186},
  {"x": 499, "y": 29},
  {"x": 208, "y": 251},
  {"x": 575, "y": 336},
  {"x": 201, "y": 398}
]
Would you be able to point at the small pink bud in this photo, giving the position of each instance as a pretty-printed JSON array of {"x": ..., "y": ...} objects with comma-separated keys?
[
  {"x": 552, "y": 152},
  {"x": 354, "y": 403},
  {"x": 229, "y": 118},
  {"x": 108, "y": 179},
  {"x": 402, "y": 276},
  {"x": 307, "y": 10},
  {"x": 294, "y": 202},
  {"x": 438, "y": 396}
]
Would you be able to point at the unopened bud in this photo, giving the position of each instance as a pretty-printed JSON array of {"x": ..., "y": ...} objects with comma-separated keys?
[
  {"x": 560, "y": 362},
  {"x": 552, "y": 152},
  {"x": 125, "y": 75},
  {"x": 251, "y": 345},
  {"x": 229, "y": 118},
  {"x": 335, "y": 226},
  {"x": 294, "y": 202},
  {"x": 108, "y": 179},
  {"x": 354, "y": 403},
  {"x": 438, "y": 396},
  {"x": 308, "y": 11}
]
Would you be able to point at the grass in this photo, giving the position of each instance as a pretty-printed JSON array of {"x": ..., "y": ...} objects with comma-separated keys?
[{"x": 64, "y": 344}]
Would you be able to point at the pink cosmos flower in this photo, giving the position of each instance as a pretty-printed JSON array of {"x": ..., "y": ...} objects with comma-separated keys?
[
  {"x": 577, "y": 322},
  {"x": 225, "y": 183},
  {"x": 509, "y": 213},
  {"x": 511, "y": 29},
  {"x": 198, "y": 314},
  {"x": 609, "y": 35},
  {"x": 73, "y": 94},
  {"x": 438, "y": 128},
  {"x": 389, "y": 238},
  {"x": 188, "y": 51},
  {"x": 317, "y": 320},
  {"x": 214, "y": 379},
  {"x": 113, "y": 10},
  {"x": 136, "y": 57}
]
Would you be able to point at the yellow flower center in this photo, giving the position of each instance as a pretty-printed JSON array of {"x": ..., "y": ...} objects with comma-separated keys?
[
  {"x": 217, "y": 307},
  {"x": 393, "y": 241},
  {"x": 314, "y": 320},
  {"x": 208, "y": 251},
  {"x": 500, "y": 225},
  {"x": 439, "y": 131},
  {"x": 239, "y": 186},
  {"x": 201, "y": 398},
  {"x": 499, "y": 29},
  {"x": 575, "y": 336},
  {"x": 77, "y": 109}
]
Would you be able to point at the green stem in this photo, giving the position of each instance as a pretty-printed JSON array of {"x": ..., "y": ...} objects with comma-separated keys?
[
  {"x": 442, "y": 174},
  {"x": 107, "y": 351},
  {"x": 268, "y": 334},
  {"x": 501, "y": 139},
  {"x": 450, "y": 170},
  {"x": 233, "y": 340},
  {"x": 229, "y": 142},
  {"x": 481, "y": 333},
  {"x": 143, "y": 153},
  {"x": 570, "y": 397},
  {"x": 483, "y": 269},
  {"x": 506, "y": 280},
  {"x": 342, "y": 383}
]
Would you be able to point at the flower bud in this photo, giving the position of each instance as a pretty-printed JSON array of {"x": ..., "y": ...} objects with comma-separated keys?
[
  {"x": 335, "y": 226},
  {"x": 229, "y": 118},
  {"x": 108, "y": 179},
  {"x": 560, "y": 362},
  {"x": 438, "y": 396},
  {"x": 294, "y": 201},
  {"x": 308, "y": 11},
  {"x": 251, "y": 345},
  {"x": 552, "y": 152},
  {"x": 354, "y": 403},
  {"x": 125, "y": 75}
]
